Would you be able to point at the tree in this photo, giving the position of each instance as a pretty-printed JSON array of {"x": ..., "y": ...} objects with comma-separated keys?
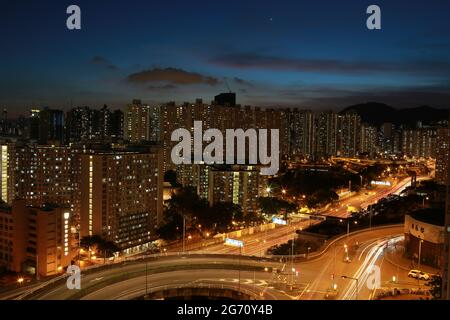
[
  {"x": 321, "y": 197},
  {"x": 106, "y": 247},
  {"x": 90, "y": 241},
  {"x": 222, "y": 215},
  {"x": 170, "y": 230},
  {"x": 171, "y": 177},
  {"x": 251, "y": 218},
  {"x": 184, "y": 205},
  {"x": 273, "y": 206},
  {"x": 435, "y": 284}
]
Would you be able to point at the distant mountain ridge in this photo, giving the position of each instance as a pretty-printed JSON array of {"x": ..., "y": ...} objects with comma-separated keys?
[{"x": 376, "y": 114}]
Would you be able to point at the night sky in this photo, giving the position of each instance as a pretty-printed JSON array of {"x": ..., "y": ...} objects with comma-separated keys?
[{"x": 312, "y": 54}]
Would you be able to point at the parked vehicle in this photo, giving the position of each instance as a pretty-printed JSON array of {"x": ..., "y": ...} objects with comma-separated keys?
[{"x": 417, "y": 274}]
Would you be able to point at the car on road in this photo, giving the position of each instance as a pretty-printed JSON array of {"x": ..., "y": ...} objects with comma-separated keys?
[{"x": 417, "y": 274}]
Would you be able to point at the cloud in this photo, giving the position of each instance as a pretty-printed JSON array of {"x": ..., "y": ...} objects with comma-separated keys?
[
  {"x": 101, "y": 61},
  {"x": 257, "y": 61},
  {"x": 170, "y": 76},
  {"x": 242, "y": 82},
  {"x": 163, "y": 87}
]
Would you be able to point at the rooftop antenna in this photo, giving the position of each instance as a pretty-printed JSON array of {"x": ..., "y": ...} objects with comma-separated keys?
[{"x": 226, "y": 83}]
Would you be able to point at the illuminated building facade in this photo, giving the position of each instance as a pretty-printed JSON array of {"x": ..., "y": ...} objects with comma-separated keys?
[
  {"x": 35, "y": 240},
  {"x": 121, "y": 196},
  {"x": 136, "y": 122}
]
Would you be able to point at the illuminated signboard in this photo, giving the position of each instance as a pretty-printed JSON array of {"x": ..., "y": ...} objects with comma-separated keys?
[
  {"x": 234, "y": 243},
  {"x": 279, "y": 221},
  {"x": 381, "y": 183}
]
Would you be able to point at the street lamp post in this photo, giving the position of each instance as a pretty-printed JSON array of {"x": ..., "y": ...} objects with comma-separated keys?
[
  {"x": 354, "y": 279},
  {"x": 146, "y": 282},
  {"x": 423, "y": 201},
  {"x": 79, "y": 246},
  {"x": 184, "y": 233},
  {"x": 348, "y": 228},
  {"x": 240, "y": 254},
  {"x": 240, "y": 244},
  {"x": 292, "y": 258},
  {"x": 420, "y": 252}
]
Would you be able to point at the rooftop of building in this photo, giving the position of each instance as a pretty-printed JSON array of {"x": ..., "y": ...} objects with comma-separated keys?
[{"x": 434, "y": 216}]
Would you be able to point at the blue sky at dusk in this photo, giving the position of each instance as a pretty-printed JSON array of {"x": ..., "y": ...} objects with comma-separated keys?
[{"x": 317, "y": 54}]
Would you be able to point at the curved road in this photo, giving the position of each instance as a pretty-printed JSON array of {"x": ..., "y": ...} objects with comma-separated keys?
[{"x": 310, "y": 280}]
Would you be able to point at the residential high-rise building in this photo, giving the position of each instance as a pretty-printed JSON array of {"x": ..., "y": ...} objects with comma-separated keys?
[
  {"x": 446, "y": 261},
  {"x": 86, "y": 124},
  {"x": 137, "y": 122},
  {"x": 81, "y": 124},
  {"x": 419, "y": 143},
  {"x": 155, "y": 124},
  {"x": 35, "y": 240},
  {"x": 442, "y": 154},
  {"x": 369, "y": 140},
  {"x": 4, "y": 122},
  {"x": 300, "y": 125},
  {"x": 348, "y": 137},
  {"x": 121, "y": 196},
  {"x": 39, "y": 174},
  {"x": 50, "y": 125},
  {"x": 390, "y": 139},
  {"x": 33, "y": 131},
  {"x": 117, "y": 124},
  {"x": 325, "y": 134},
  {"x": 227, "y": 99},
  {"x": 240, "y": 185}
]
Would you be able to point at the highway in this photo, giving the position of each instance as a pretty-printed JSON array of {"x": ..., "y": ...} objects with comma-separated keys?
[
  {"x": 257, "y": 244},
  {"x": 127, "y": 280},
  {"x": 365, "y": 198},
  {"x": 366, "y": 251},
  {"x": 313, "y": 280}
]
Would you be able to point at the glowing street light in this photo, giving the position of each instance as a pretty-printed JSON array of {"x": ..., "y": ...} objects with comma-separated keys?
[
  {"x": 20, "y": 280},
  {"x": 354, "y": 279}
]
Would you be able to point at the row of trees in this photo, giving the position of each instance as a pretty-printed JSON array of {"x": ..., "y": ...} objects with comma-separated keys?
[
  {"x": 105, "y": 247},
  {"x": 319, "y": 186},
  {"x": 200, "y": 219},
  {"x": 275, "y": 206}
]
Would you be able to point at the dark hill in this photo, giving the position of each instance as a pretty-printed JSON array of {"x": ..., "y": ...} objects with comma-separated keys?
[{"x": 378, "y": 113}]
